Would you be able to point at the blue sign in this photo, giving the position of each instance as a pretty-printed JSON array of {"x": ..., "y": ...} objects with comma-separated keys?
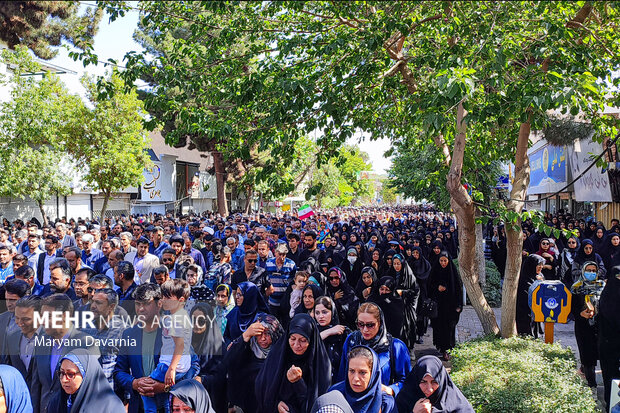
[
  {"x": 547, "y": 169},
  {"x": 550, "y": 301}
]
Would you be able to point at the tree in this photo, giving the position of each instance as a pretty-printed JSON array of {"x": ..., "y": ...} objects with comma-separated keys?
[
  {"x": 33, "y": 125},
  {"x": 471, "y": 76},
  {"x": 388, "y": 193},
  {"x": 39, "y": 25},
  {"x": 113, "y": 143}
]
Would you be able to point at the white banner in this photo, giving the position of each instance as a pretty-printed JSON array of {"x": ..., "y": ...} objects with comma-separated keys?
[{"x": 594, "y": 185}]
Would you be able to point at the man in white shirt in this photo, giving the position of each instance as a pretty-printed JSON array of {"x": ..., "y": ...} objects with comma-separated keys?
[{"x": 143, "y": 262}]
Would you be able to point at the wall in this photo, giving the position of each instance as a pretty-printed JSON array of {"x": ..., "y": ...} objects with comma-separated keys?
[{"x": 606, "y": 211}]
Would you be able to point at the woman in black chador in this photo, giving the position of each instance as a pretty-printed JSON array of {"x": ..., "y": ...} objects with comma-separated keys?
[{"x": 531, "y": 270}]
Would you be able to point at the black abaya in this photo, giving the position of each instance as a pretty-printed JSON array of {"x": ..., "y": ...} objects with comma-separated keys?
[
  {"x": 449, "y": 303},
  {"x": 526, "y": 279}
]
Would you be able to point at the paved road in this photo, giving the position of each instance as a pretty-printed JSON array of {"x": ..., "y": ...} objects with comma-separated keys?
[{"x": 469, "y": 327}]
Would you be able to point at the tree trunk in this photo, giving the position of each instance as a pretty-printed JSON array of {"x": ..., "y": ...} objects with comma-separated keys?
[
  {"x": 43, "y": 214},
  {"x": 464, "y": 209},
  {"x": 514, "y": 234},
  {"x": 220, "y": 179},
  {"x": 481, "y": 268},
  {"x": 104, "y": 208},
  {"x": 249, "y": 194}
]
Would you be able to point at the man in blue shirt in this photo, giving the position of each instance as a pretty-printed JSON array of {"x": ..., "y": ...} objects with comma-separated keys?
[
  {"x": 157, "y": 245},
  {"x": 280, "y": 271},
  {"x": 237, "y": 255},
  {"x": 6, "y": 263},
  {"x": 90, "y": 255}
]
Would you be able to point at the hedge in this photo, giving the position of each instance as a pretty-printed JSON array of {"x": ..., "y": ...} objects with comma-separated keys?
[{"x": 519, "y": 375}]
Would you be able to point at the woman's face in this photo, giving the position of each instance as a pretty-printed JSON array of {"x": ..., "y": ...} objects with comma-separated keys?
[
  {"x": 539, "y": 268},
  {"x": 428, "y": 385},
  {"x": 298, "y": 343},
  {"x": 398, "y": 265},
  {"x": 179, "y": 407},
  {"x": 572, "y": 243},
  {"x": 353, "y": 238},
  {"x": 375, "y": 255},
  {"x": 359, "y": 374},
  {"x": 416, "y": 254},
  {"x": 334, "y": 279},
  {"x": 443, "y": 261},
  {"x": 199, "y": 321},
  {"x": 238, "y": 297},
  {"x": 264, "y": 339},
  {"x": 222, "y": 298},
  {"x": 615, "y": 241},
  {"x": 367, "y": 279},
  {"x": 588, "y": 249},
  {"x": 70, "y": 377},
  {"x": 308, "y": 299},
  {"x": 192, "y": 277},
  {"x": 599, "y": 233},
  {"x": 384, "y": 290},
  {"x": 368, "y": 325},
  {"x": 436, "y": 249},
  {"x": 322, "y": 315}
]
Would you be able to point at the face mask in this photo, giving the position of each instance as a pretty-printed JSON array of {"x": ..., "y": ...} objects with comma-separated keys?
[
  {"x": 352, "y": 259},
  {"x": 589, "y": 276}
]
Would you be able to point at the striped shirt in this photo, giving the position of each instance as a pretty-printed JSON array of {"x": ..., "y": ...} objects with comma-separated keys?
[{"x": 279, "y": 278}]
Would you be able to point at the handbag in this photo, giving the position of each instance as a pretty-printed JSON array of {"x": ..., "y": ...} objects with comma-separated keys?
[{"x": 429, "y": 308}]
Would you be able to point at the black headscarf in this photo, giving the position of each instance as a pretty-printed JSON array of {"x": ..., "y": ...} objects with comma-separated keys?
[
  {"x": 208, "y": 343},
  {"x": 404, "y": 278},
  {"x": 360, "y": 287},
  {"x": 95, "y": 392},
  {"x": 609, "y": 305},
  {"x": 446, "y": 399},
  {"x": 379, "y": 343},
  {"x": 421, "y": 267},
  {"x": 391, "y": 305},
  {"x": 448, "y": 277},
  {"x": 271, "y": 382},
  {"x": 316, "y": 293},
  {"x": 193, "y": 394}
]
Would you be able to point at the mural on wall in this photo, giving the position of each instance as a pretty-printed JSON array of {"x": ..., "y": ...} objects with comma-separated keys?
[
  {"x": 547, "y": 169},
  {"x": 152, "y": 182}
]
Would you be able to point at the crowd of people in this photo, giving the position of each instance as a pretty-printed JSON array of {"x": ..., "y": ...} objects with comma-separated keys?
[{"x": 258, "y": 313}]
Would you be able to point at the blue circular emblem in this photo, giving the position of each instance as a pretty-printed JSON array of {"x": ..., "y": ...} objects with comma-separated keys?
[{"x": 551, "y": 303}]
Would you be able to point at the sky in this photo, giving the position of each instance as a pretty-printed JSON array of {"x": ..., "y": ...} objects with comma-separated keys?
[{"x": 114, "y": 39}]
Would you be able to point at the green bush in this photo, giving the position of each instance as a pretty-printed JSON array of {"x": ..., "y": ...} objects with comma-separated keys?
[
  {"x": 519, "y": 375},
  {"x": 492, "y": 289}
]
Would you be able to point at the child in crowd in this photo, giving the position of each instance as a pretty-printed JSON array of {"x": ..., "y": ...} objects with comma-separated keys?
[
  {"x": 300, "y": 282},
  {"x": 175, "y": 359}
]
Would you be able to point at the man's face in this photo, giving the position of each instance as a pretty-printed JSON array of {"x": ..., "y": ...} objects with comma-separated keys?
[
  {"x": 106, "y": 248},
  {"x": 227, "y": 233},
  {"x": 100, "y": 306},
  {"x": 11, "y": 300},
  {"x": 288, "y": 230},
  {"x": 260, "y": 232},
  {"x": 49, "y": 246},
  {"x": 5, "y": 257},
  {"x": 309, "y": 241},
  {"x": 168, "y": 260},
  {"x": 263, "y": 250},
  {"x": 51, "y": 331},
  {"x": 32, "y": 230},
  {"x": 161, "y": 278},
  {"x": 250, "y": 261},
  {"x": 96, "y": 234},
  {"x": 147, "y": 309},
  {"x": 143, "y": 249},
  {"x": 73, "y": 259},
  {"x": 125, "y": 241},
  {"x": 33, "y": 243},
  {"x": 292, "y": 243},
  {"x": 60, "y": 232},
  {"x": 80, "y": 285},
  {"x": 113, "y": 260},
  {"x": 177, "y": 247},
  {"x": 58, "y": 282},
  {"x": 137, "y": 231},
  {"x": 117, "y": 229},
  {"x": 231, "y": 244},
  {"x": 87, "y": 245},
  {"x": 104, "y": 232},
  {"x": 158, "y": 236},
  {"x": 280, "y": 257},
  {"x": 241, "y": 229},
  {"x": 24, "y": 318}
]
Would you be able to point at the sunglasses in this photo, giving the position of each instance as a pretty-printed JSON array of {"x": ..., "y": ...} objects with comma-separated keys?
[
  {"x": 252, "y": 261},
  {"x": 362, "y": 325}
]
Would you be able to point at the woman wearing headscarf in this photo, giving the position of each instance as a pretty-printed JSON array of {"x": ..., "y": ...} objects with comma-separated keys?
[
  {"x": 224, "y": 303},
  {"x": 374, "y": 260},
  {"x": 545, "y": 251},
  {"x": 421, "y": 270},
  {"x": 446, "y": 289},
  {"x": 362, "y": 387},
  {"x": 587, "y": 253},
  {"x": 249, "y": 303},
  {"x": 450, "y": 243},
  {"x": 611, "y": 250},
  {"x": 331, "y": 402},
  {"x": 366, "y": 284},
  {"x": 386, "y": 265},
  {"x": 598, "y": 239},
  {"x": 608, "y": 321},
  {"x": 435, "y": 250},
  {"x": 391, "y": 304},
  {"x": 584, "y": 306},
  {"x": 406, "y": 287},
  {"x": 207, "y": 342},
  {"x": 308, "y": 299},
  {"x": 392, "y": 353},
  {"x": 332, "y": 332},
  {"x": 343, "y": 295},
  {"x": 353, "y": 265},
  {"x": 190, "y": 394},
  {"x": 429, "y": 388},
  {"x": 84, "y": 387},
  {"x": 566, "y": 259},
  {"x": 14, "y": 391},
  {"x": 531, "y": 270},
  {"x": 245, "y": 358},
  {"x": 297, "y": 370}
]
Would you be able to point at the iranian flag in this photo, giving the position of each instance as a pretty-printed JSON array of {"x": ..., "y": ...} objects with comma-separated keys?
[{"x": 305, "y": 212}]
